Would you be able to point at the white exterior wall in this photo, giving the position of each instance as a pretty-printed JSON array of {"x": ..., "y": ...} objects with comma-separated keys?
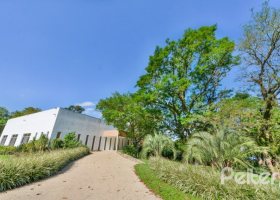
[
  {"x": 41, "y": 122},
  {"x": 68, "y": 121},
  {"x": 52, "y": 121}
]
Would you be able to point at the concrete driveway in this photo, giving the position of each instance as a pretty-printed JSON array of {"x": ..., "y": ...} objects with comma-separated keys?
[{"x": 99, "y": 176}]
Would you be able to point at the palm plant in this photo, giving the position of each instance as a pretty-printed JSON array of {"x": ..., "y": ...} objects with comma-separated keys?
[
  {"x": 221, "y": 149},
  {"x": 155, "y": 145}
]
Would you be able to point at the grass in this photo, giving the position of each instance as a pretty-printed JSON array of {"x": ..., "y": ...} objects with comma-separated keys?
[
  {"x": 18, "y": 170},
  {"x": 205, "y": 183},
  {"x": 159, "y": 187},
  {"x": 4, "y": 157}
]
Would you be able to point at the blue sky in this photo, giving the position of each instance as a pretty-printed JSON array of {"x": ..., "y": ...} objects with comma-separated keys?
[{"x": 57, "y": 53}]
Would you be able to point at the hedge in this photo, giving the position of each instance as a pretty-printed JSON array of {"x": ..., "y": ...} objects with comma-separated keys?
[{"x": 19, "y": 170}]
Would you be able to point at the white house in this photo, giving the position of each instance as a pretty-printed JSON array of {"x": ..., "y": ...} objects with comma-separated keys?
[{"x": 56, "y": 123}]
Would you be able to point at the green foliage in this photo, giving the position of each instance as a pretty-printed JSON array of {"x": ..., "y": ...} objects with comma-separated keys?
[
  {"x": 70, "y": 141},
  {"x": 260, "y": 48},
  {"x": 157, "y": 144},
  {"x": 7, "y": 150},
  {"x": 183, "y": 78},
  {"x": 4, "y": 115},
  {"x": 159, "y": 187},
  {"x": 42, "y": 143},
  {"x": 220, "y": 149},
  {"x": 57, "y": 143},
  {"x": 205, "y": 183},
  {"x": 16, "y": 171},
  {"x": 35, "y": 145},
  {"x": 127, "y": 113},
  {"x": 76, "y": 108},
  {"x": 131, "y": 150},
  {"x": 25, "y": 111}
]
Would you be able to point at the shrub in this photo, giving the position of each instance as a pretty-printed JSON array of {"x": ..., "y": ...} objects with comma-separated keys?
[
  {"x": 204, "y": 182},
  {"x": 70, "y": 141},
  {"x": 220, "y": 149},
  {"x": 57, "y": 143},
  {"x": 26, "y": 168},
  {"x": 157, "y": 144},
  {"x": 131, "y": 150},
  {"x": 35, "y": 145},
  {"x": 28, "y": 147},
  {"x": 7, "y": 150},
  {"x": 42, "y": 143}
]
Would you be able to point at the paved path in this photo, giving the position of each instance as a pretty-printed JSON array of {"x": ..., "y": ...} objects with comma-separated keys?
[{"x": 99, "y": 176}]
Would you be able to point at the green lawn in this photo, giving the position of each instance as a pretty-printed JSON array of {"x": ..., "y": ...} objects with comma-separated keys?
[{"x": 162, "y": 189}]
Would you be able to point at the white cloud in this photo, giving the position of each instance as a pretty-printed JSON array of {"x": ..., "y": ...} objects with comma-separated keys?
[
  {"x": 86, "y": 104},
  {"x": 92, "y": 112},
  {"x": 90, "y": 109}
]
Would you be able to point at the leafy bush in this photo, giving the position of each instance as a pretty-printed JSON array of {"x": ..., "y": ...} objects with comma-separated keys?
[
  {"x": 204, "y": 182},
  {"x": 16, "y": 171},
  {"x": 35, "y": 145},
  {"x": 57, "y": 143},
  {"x": 220, "y": 149},
  {"x": 70, "y": 141},
  {"x": 131, "y": 150},
  {"x": 7, "y": 150},
  {"x": 42, "y": 143},
  {"x": 28, "y": 147},
  {"x": 157, "y": 144}
]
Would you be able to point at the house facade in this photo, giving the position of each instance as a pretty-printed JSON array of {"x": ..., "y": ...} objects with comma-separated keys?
[{"x": 56, "y": 123}]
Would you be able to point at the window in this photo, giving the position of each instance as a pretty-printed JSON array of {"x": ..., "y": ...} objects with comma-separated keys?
[
  {"x": 58, "y": 135},
  {"x": 86, "y": 140},
  {"x": 13, "y": 140},
  {"x": 4, "y": 138},
  {"x": 35, "y": 136},
  {"x": 78, "y": 138},
  {"x": 25, "y": 138}
]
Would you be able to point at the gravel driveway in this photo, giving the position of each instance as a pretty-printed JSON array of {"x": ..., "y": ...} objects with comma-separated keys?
[{"x": 99, "y": 176}]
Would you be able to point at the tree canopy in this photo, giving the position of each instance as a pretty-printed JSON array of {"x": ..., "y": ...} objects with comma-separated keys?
[
  {"x": 76, "y": 108},
  {"x": 25, "y": 111},
  {"x": 184, "y": 77}
]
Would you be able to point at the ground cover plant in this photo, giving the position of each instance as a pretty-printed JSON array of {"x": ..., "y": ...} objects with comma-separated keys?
[
  {"x": 205, "y": 182},
  {"x": 158, "y": 186},
  {"x": 18, "y": 170}
]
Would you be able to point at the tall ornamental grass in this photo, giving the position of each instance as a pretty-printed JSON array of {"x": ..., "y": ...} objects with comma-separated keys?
[
  {"x": 204, "y": 182},
  {"x": 19, "y": 170}
]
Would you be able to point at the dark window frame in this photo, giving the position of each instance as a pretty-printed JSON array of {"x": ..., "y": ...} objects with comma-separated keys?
[
  {"x": 23, "y": 137},
  {"x": 58, "y": 135},
  {"x": 3, "y": 140},
  {"x": 14, "y": 141}
]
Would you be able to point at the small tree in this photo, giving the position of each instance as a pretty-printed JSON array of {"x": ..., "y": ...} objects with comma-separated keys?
[{"x": 128, "y": 114}]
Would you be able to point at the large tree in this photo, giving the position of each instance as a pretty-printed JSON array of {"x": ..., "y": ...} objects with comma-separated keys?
[
  {"x": 260, "y": 47},
  {"x": 184, "y": 77}
]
